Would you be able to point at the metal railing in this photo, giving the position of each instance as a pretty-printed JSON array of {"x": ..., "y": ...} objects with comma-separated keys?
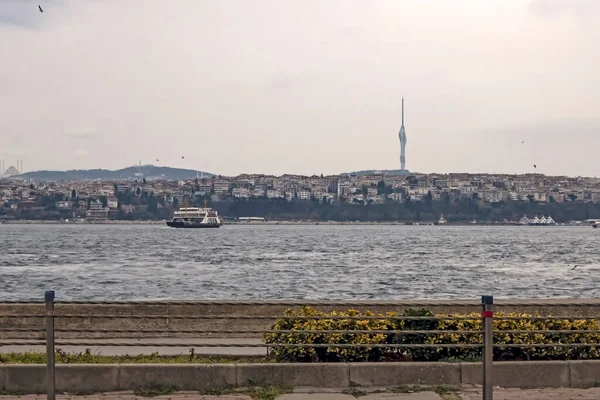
[{"x": 391, "y": 341}]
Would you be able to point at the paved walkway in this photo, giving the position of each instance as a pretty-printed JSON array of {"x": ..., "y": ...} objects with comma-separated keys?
[
  {"x": 535, "y": 394},
  {"x": 465, "y": 394},
  {"x": 190, "y": 396}
]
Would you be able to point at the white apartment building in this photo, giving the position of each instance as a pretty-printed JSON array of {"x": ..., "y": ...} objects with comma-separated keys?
[
  {"x": 64, "y": 205},
  {"x": 241, "y": 193},
  {"x": 221, "y": 186},
  {"x": 112, "y": 203},
  {"x": 96, "y": 213},
  {"x": 275, "y": 194},
  {"x": 395, "y": 196},
  {"x": 203, "y": 189},
  {"x": 304, "y": 195}
]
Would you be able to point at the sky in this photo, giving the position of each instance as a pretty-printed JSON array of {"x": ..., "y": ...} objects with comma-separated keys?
[{"x": 301, "y": 86}]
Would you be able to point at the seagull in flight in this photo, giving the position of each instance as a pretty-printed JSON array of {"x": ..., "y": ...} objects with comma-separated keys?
[
  {"x": 534, "y": 166},
  {"x": 40, "y": 7}
]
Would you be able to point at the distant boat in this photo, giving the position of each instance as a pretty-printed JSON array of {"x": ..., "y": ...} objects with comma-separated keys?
[
  {"x": 541, "y": 221},
  {"x": 441, "y": 221},
  {"x": 593, "y": 222}
]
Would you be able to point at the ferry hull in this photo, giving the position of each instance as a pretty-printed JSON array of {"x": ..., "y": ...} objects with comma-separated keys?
[{"x": 191, "y": 225}]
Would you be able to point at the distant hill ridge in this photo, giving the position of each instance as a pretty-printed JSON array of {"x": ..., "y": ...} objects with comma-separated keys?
[
  {"x": 150, "y": 172},
  {"x": 379, "y": 171}
]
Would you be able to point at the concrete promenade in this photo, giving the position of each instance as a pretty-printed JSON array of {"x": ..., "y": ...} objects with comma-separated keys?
[{"x": 459, "y": 394}]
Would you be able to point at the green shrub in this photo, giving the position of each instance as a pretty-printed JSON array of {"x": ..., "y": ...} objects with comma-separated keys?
[
  {"x": 327, "y": 353},
  {"x": 472, "y": 335}
]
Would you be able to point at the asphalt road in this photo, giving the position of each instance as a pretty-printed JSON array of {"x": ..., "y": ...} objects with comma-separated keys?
[{"x": 131, "y": 349}]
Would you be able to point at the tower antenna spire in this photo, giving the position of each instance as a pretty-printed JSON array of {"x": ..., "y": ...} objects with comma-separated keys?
[{"x": 402, "y": 137}]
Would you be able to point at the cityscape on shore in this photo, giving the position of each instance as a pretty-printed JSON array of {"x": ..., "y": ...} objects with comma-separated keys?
[{"x": 294, "y": 197}]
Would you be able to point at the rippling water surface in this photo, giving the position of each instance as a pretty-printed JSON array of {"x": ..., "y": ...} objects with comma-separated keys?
[{"x": 118, "y": 262}]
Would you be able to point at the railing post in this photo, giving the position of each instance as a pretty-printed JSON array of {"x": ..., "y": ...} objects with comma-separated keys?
[
  {"x": 487, "y": 314},
  {"x": 50, "y": 362}
]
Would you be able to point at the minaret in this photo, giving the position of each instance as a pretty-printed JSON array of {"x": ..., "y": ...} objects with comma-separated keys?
[{"x": 402, "y": 137}]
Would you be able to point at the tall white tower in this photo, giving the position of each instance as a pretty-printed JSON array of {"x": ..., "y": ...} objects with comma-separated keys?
[{"x": 402, "y": 137}]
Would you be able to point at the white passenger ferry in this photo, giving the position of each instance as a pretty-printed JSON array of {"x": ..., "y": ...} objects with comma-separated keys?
[{"x": 195, "y": 217}]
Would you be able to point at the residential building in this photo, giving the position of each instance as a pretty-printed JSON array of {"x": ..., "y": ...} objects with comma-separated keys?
[{"x": 96, "y": 213}]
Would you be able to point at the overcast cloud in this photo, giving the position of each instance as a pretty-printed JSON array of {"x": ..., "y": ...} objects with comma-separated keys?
[{"x": 311, "y": 86}]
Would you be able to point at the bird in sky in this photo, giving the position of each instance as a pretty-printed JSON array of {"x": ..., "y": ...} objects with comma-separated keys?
[
  {"x": 574, "y": 267},
  {"x": 182, "y": 157},
  {"x": 522, "y": 142},
  {"x": 534, "y": 166},
  {"x": 40, "y": 7},
  {"x": 157, "y": 160}
]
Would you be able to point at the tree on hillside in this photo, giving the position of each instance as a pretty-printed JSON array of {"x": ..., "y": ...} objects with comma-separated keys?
[{"x": 408, "y": 203}]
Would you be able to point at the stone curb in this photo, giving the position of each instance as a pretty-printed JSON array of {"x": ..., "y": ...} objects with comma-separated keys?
[{"x": 87, "y": 378}]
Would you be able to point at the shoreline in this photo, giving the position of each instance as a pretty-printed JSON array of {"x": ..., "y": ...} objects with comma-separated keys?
[{"x": 261, "y": 223}]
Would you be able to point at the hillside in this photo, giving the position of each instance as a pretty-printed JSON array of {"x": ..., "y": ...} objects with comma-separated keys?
[
  {"x": 149, "y": 172},
  {"x": 379, "y": 171}
]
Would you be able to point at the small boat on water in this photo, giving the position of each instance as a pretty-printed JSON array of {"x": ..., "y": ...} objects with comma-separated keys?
[
  {"x": 595, "y": 223},
  {"x": 441, "y": 221},
  {"x": 195, "y": 217}
]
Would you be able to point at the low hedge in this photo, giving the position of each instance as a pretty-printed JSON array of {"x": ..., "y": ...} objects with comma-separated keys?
[{"x": 337, "y": 354}]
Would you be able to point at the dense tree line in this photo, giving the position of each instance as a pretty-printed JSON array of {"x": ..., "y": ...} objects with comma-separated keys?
[
  {"x": 464, "y": 209},
  {"x": 145, "y": 206}
]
